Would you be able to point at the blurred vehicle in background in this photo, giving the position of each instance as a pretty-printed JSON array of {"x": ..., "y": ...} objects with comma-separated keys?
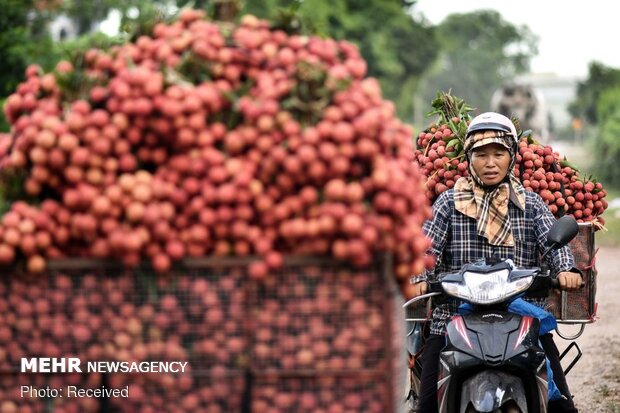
[{"x": 527, "y": 103}]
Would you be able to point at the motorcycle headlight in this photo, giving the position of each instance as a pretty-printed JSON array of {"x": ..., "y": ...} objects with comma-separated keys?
[{"x": 487, "y": 288}]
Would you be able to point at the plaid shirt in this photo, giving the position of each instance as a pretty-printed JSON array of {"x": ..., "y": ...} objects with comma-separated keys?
[{"x": 455, "y": 242}]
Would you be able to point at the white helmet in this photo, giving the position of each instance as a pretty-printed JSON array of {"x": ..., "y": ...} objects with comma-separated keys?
[{"x": 492, "y": 121}]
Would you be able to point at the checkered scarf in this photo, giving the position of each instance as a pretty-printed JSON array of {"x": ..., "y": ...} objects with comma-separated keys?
[{"x": 489, "y": 205}]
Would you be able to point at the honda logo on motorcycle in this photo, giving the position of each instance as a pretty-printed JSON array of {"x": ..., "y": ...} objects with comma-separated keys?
[{"x": 492, "y": 315}]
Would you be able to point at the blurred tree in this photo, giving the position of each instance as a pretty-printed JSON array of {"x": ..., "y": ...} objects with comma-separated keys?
[
  {"x": 479, "y": 50},
  {"x": 606, "y": 145},
  {"x": 23, "y": 40},
  {"x": 86, "y": 14},
  {"x": 600, "y": 79}
]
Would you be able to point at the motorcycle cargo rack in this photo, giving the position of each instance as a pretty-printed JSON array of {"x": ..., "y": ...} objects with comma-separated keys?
[{"x": 578, "y": 307}]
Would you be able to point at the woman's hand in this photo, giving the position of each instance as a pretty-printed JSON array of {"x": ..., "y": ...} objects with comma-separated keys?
[
  {"x": 569, "y": 280},
  {"x": 418, "y": 287}
]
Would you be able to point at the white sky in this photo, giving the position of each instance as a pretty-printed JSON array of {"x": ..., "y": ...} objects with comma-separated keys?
[{"x": 571, "y": 33}]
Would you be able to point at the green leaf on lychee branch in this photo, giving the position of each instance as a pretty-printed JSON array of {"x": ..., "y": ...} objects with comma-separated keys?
[
  {"x": 565, "y": 163},
  {"x": 194, "y": 69},
  {"x": 455, "y": 155}
]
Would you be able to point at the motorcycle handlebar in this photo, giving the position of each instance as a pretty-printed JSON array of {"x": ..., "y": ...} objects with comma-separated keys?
[
  {"x": 554, "y": 283},
  {"x": 434, "y": 286}
]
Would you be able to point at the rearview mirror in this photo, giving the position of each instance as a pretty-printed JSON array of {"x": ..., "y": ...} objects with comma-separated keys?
[{"x": 562, "y": 232}]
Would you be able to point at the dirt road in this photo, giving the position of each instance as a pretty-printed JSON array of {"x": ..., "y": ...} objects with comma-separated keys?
[{"x": 595, "y": 381}]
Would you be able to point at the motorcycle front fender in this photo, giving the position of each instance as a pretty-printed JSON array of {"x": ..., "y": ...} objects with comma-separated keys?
[{"x": 488, "y": 390}]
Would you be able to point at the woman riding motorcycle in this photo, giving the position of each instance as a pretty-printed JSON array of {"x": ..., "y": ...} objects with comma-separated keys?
[{"x": 489, "y": 213}]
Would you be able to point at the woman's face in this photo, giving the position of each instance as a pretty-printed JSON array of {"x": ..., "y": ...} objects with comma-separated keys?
[{"x": 491, "y": 162}]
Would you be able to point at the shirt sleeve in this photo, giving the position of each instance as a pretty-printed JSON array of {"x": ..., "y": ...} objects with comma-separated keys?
[
  {"x": 560, "y": 259},
  {"x": 436, "y": 230}
]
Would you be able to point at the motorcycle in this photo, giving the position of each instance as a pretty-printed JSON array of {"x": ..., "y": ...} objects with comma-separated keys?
[{"x": 492, "y": 361}]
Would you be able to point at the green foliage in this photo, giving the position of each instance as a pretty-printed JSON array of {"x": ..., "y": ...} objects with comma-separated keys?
[
  {"x": 600, "y": 79},
  {"x": 310, "y": 96},
  {"x": 24, "y": 38},
  {"x": 12, "y": 188},
  {"x": 479, "y": 50},
  {"x": 87, "y": 13},
  {"x": 611, "y": 237},
  {"x": 4, "y": 124},
  {"x": 607, "y": 141},
  {"x": 455, "y": 112},
  {"x": 22, "y": 41},
  {"x": 149, "y": 14}
]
